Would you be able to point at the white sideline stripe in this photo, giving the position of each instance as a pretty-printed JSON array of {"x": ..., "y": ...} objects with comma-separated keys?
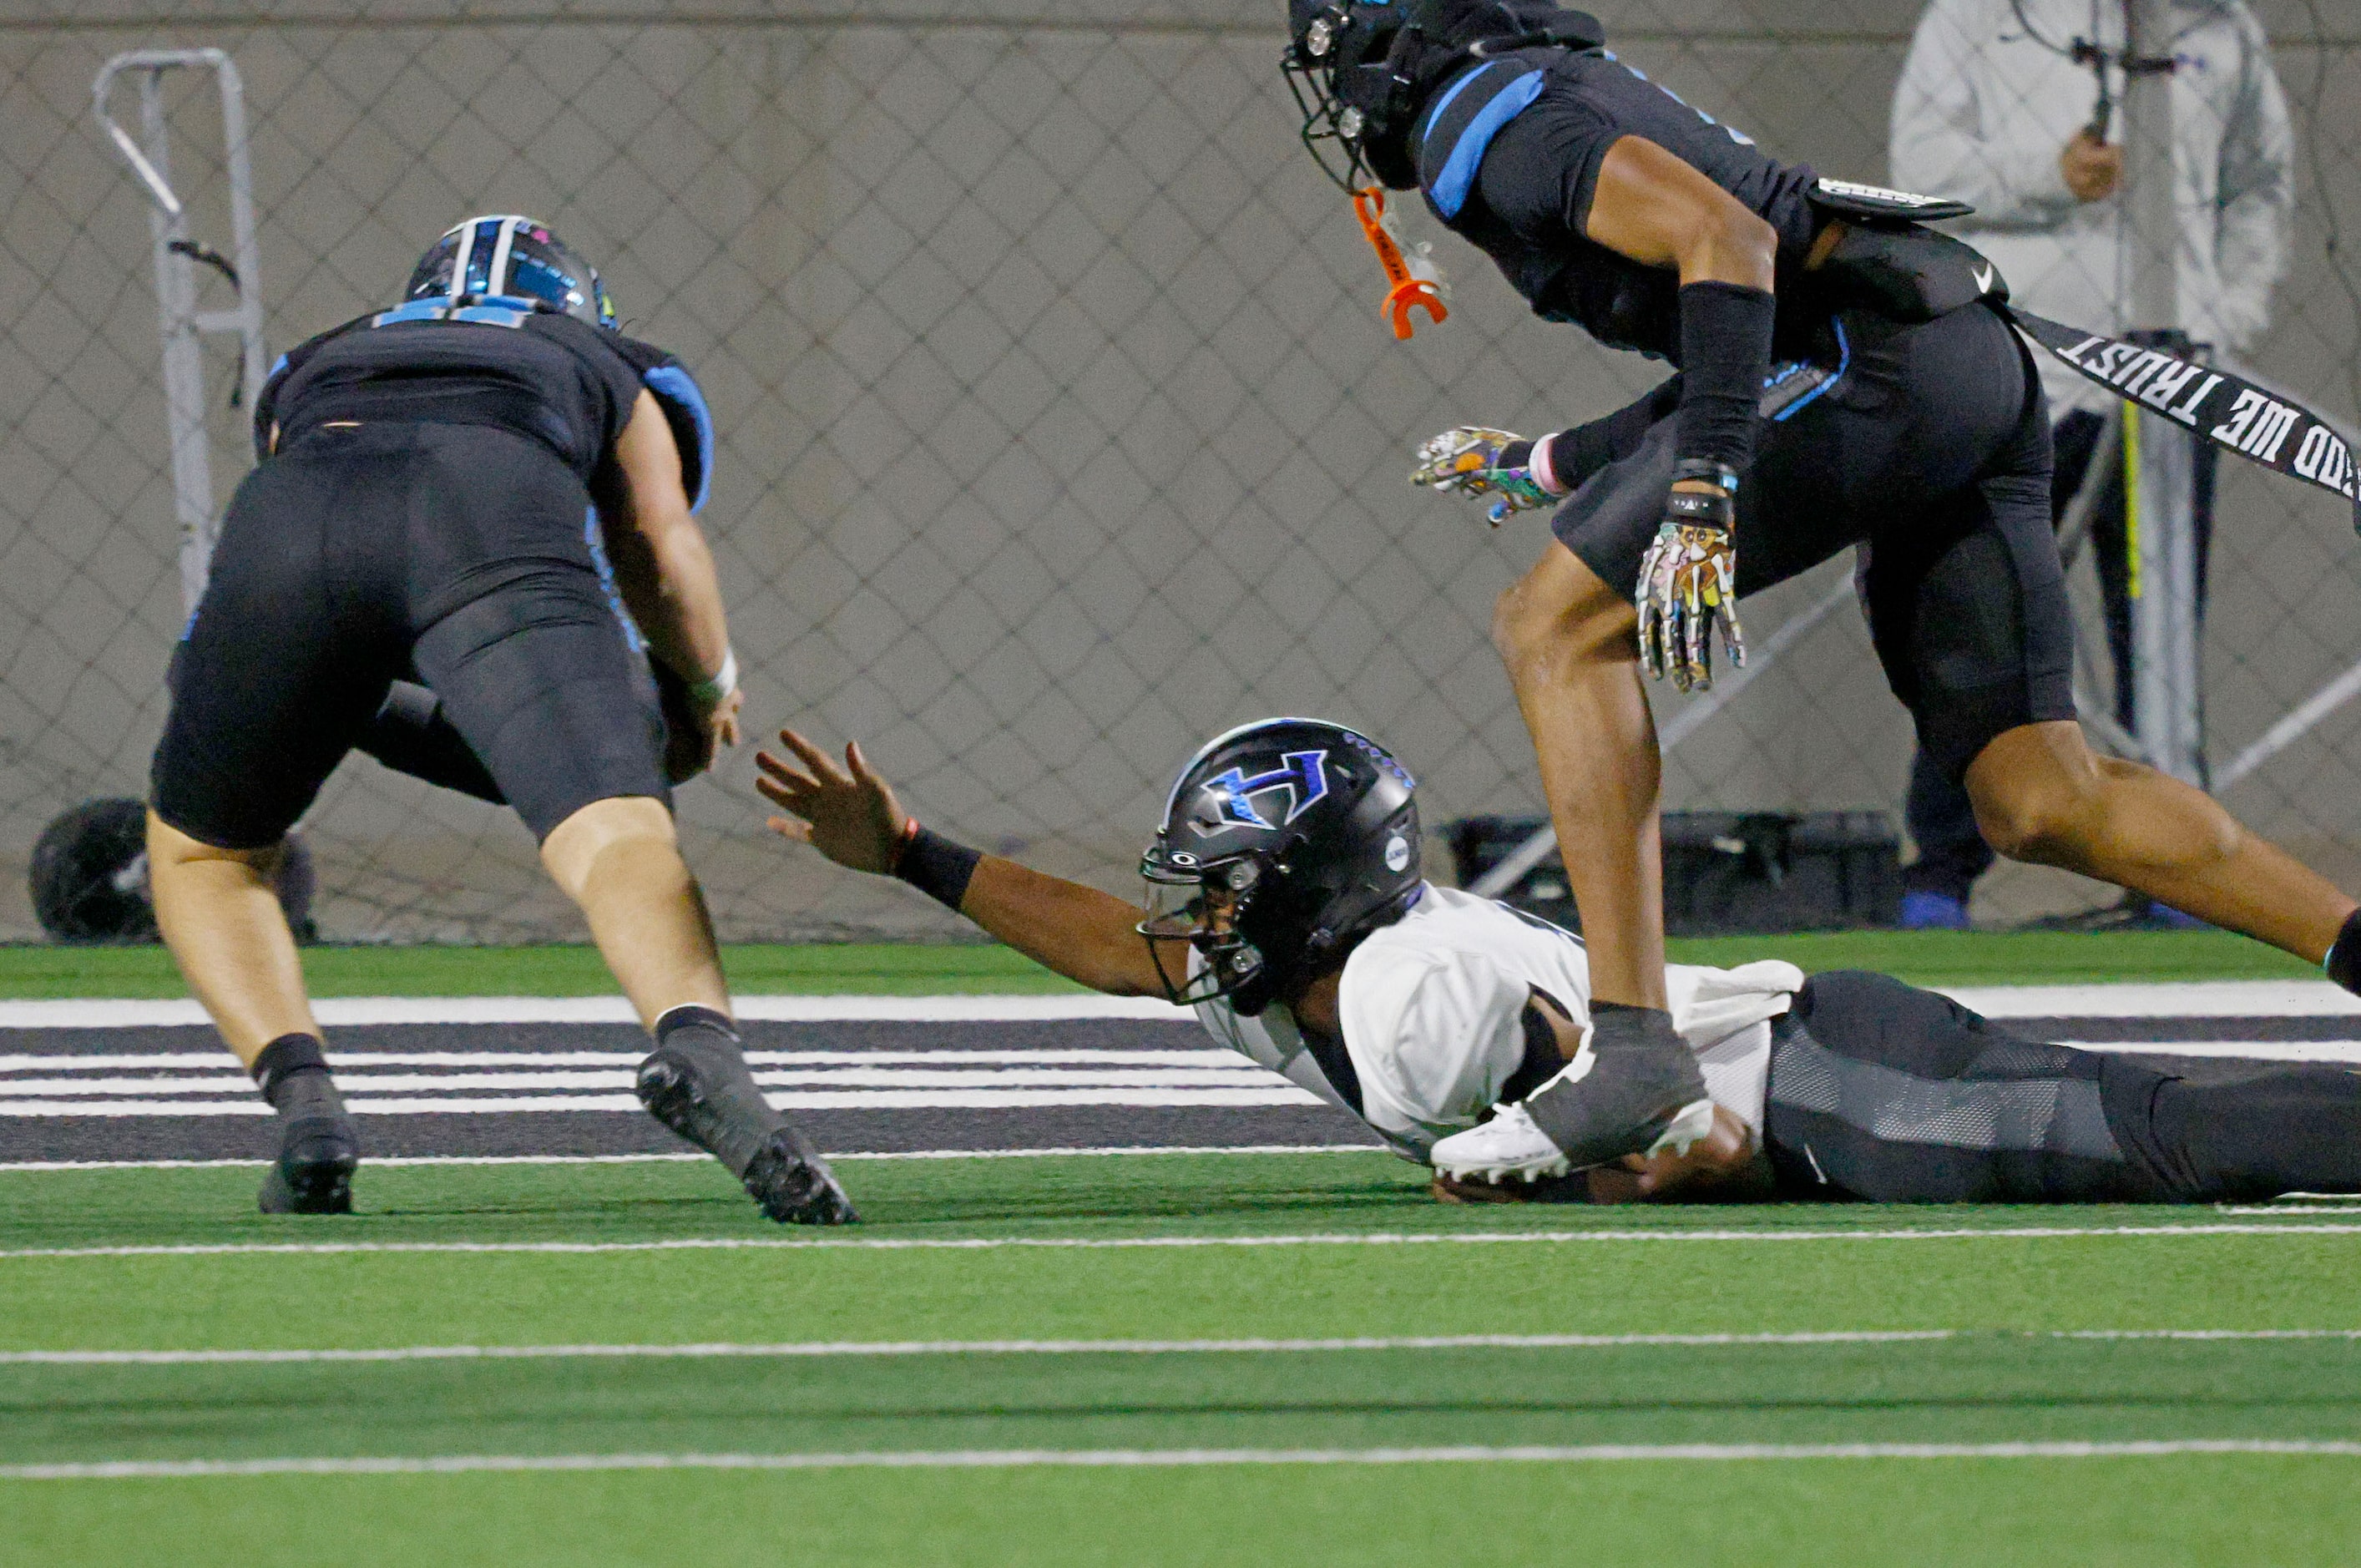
[
  {"x": 2194, "y": 999},
  {"x": 39, "y": 1165},
  {"x": 1018, "y": 1458},
  {"x": 217, "y": 1062},
  {"x": 1094, "y": 1244},
  {"x": 830, "y": 1349},
  {"x": 2173, "y": 999},
  {"x": 1268, "y": 1093},
  {"x": 348, "y": 1012}
]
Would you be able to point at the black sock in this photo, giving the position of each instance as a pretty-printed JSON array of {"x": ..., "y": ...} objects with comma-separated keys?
[
  {"x": 292, "y": 1073},
  {"x": 704, "y": 1037},
  {"x": 2343, "y": 960}
]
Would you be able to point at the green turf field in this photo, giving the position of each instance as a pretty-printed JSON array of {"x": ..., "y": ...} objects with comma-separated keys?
[
  {"x": 865, "y": 1343},
  {"x": 1924, "y": 958}
]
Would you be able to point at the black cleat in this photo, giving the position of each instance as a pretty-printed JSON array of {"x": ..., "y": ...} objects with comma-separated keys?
[
  {"x": 715, "y": 1105},
  {"x": 313, "y": 1172},
  {"x": 793, "y": 1185},
  {"x": 1634, "y": 1087}
]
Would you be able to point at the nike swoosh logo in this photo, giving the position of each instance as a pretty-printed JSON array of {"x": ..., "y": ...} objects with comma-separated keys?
[{"x": 1983, "y": 279}]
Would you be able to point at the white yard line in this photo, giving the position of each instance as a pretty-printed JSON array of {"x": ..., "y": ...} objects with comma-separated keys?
[
  {"x": 2197, "y": 999},
  {"x": 1273, "y": 1091},
  {"x": 40, "y": 1165},
  {"x": 1021, "y": 1458},
  {"x": 208, "y": 1057},
  {"x": 2175, "y": 999},
  {"x": 832, "y": 1349},
  {"x": 1372, "y": 1238},
  {"x": 351, "y": 1010},
  {"x": 1237, "y": 1073}
]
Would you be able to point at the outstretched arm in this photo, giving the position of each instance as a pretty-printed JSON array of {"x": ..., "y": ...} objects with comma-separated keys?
[{"x": 850, "y": 814}]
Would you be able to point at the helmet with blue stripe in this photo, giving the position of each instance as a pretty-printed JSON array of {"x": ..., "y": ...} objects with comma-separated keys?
[{"x": 505, "y": 255}]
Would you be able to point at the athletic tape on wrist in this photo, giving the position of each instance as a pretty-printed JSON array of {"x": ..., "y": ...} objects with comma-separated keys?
[
  {"x": 936, "y": 866},
  {"x": 708, "y": 694}
]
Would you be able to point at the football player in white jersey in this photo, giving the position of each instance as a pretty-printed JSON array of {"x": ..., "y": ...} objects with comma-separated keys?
[{"x": 1287, "y": 907}]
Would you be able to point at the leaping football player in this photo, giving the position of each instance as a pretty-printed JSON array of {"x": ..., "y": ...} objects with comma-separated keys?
[
  {"x": 1285, "y": 906},
  {"x": 1846, "y": 378}
]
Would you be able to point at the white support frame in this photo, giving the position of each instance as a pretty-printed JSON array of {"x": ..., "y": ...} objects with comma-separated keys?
[{"x": 179, "y": 321}]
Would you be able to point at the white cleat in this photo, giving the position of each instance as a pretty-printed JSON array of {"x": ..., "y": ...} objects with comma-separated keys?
[{"x": 1507, "y": 1146}]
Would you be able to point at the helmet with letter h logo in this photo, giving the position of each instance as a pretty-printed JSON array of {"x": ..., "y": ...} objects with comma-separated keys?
[{"x": 1283, "y": 843}]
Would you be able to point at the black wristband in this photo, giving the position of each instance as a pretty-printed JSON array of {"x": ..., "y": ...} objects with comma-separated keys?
[
  {"x": 1725, "y": 355},
  {"x": 1698, "y": 507},
  {"x": 937, "y": 867},
  {"x": 2343, "y": 964}
]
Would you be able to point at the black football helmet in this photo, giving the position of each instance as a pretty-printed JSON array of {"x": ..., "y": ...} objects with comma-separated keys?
[
  {"x": 1283, "y": 843},
  {"x": 504, "y": 256},
  {"x": 1361, "y": 70}
]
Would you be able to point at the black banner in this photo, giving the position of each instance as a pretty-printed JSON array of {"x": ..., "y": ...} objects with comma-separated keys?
[{"x": 2233, "y": 413}]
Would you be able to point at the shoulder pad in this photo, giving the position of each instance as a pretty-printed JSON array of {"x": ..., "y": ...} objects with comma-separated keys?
[
  {"x": 1450, "y": 143},
  {"x": 683, "y": 402},
  {"x": 266, "y": 401}
]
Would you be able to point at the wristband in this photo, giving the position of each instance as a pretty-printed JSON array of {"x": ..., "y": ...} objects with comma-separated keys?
[
  {"x": 707, "y": 694},
  {"x": 1720, "y": 475},
  {"x": 1543, "y": 465},
  {"x": 935, "y": 865}
]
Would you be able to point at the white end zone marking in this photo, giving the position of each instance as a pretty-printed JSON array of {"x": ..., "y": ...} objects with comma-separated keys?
[
  {"x": 2196, "y": 999},
  {"x": 2177, "y": 999},
  {"x": 430, "y": 1160},
  {"x": 1016, "y": 1458},
  {"x": 361, "y": 1011}
]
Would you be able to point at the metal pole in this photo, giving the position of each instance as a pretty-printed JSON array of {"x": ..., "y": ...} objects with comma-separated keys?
[
  {"x": 2158, "y": 466},
  {"x": 184, "y": 369},
  {"x": 181, "y": 324}
]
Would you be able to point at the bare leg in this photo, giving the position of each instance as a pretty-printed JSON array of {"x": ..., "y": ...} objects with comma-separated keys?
[
  {"x": 2042, "y": 794},
  {"x": 220, "y": 915},
  {"x": 620, "y": 859},
  {"x": 1567, "y": 640}
]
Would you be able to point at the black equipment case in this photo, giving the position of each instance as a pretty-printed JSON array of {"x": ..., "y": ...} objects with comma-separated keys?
[{"x": 1726, "y": 872}]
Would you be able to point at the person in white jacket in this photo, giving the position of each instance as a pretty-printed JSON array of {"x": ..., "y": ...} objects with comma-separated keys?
[
  {"x": 1297, "y": 925},
  {"x": 1991, "y": 109}
]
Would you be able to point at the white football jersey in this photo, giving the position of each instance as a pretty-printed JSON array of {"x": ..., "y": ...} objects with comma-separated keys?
[{"x": 1432, "y": 1008}]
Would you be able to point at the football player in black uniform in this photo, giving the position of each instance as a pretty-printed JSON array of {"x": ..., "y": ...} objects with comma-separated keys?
[
  {"x": 1287, "y": 907},
  {"x": 419, "y": 564},
  {"x": 1838, "y": 387}
]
